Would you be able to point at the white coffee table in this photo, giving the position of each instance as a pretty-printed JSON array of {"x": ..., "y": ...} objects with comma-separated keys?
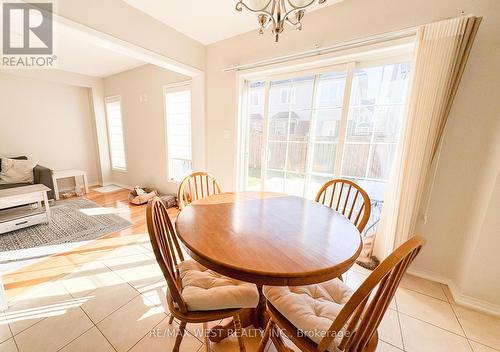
[
  {"x": 70, "y": 173},
  {"x": 14, "y": 216}
]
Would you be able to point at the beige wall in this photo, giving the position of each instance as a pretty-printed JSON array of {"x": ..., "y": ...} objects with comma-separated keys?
[
  {"x": 48, "y": 122},
  {"x": 454, "y": 216},
  {"x": 143, "y": 125},
  {"x": 479, "y": 277}
]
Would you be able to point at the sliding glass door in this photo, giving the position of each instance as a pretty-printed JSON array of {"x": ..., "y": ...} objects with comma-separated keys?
[{"x": 303, "y": 130}]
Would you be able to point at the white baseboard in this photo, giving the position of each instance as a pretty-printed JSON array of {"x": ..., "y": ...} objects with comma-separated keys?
[
  {"x": 460, "y": 298},
  {"x": 116, "y": 184},
  {"x": 92, "y": 184},
  {"x": 122, "y": 185}
]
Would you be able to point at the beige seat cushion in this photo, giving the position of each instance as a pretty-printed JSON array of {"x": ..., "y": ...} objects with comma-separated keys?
[
  {"x": 204, "y": 289},
  {"x": 311, "y": 309}
]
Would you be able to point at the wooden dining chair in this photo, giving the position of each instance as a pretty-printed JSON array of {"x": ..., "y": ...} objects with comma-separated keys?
[
  {"x": 330, "y": 316},
  {"x": 194, "y": 293},
  {"x": 196, "y": 186},
  {"x": 348, "y": 198}
]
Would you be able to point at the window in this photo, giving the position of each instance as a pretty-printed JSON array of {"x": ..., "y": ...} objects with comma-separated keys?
[
  {"x": 115, "y": 133},
  {"x": 285, "y": 95},
  {"x": 374, "y": 126},
  {"x": 178, "y": 114},
  {"x": 298, "y": 141}
]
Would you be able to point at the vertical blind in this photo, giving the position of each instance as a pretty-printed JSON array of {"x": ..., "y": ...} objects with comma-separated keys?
[
  {"x": 115, "y": 133},
  {"x": 441, "y": 53}
]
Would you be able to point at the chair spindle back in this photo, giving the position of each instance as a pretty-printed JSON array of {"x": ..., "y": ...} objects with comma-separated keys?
[
  {"x": 347, "y": 198},
  {"x": 360, "y": 317},
  {"x": 166, "y": 247},
  {"x": 196, "y": 186}
]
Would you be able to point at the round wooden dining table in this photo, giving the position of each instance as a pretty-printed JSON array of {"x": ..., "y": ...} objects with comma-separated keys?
[{"x": 268, "y": 239}]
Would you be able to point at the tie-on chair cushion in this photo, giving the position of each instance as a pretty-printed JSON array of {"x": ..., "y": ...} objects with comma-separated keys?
[
  {"x": 311, "y": 309},
  {"x": 204, "y": 289}
]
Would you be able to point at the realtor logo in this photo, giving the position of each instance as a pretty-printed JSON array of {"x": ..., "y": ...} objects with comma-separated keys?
[
  {"x": 27, "y": 35},
  {"x": 27, "y": 28}
]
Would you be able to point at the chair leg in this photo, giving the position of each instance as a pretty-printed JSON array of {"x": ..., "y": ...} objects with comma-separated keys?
[
  {"x": 265, "y": 337},
  {"x": 238, "y": 331},
  {"x": 206, "y": 340},
  {"x": 171, "y": 319},
  {"x": 180, "y": 335},
  {"x": 278, "y": 341}
]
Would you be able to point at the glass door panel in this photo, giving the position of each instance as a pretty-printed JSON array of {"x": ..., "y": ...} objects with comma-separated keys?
[
  {"x": 297, "y": 157},
  {"x": 324, "y": 158},
  {"x": 299, "y": 127},
  {"x": 255, "y": 126},
  {"x": 294, "y": 184},
  {"x": 374, "y": 124},
  {"x": 275, "y": 181},
  {"x": 331, "y": 88}
]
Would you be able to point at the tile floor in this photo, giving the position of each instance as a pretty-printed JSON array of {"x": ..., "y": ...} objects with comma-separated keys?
[{"x": 116, "y": 303}]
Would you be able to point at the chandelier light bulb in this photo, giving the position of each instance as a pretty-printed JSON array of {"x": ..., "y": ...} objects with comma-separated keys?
[{"x": 257, "y": 4}]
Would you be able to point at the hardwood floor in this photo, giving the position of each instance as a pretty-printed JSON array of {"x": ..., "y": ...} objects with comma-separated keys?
[{"x": 59, "y": 265}]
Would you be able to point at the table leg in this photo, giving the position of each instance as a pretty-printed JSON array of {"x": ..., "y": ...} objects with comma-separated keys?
[
  {"x": 47, "y": 207},
  {"x": 257, "y": 317},
  {"x": 260, "y": 313},
  {"x": 220, "y": 332},
  {"x": 56, "y": 188},
  {"x": 85, "y": 182}
]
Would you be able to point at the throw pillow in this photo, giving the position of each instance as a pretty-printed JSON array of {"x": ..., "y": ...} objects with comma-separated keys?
[{"x": 17, "y": 171}]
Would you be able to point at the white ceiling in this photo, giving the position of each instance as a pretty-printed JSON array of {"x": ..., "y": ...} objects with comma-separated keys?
[
  {"x": 80, "y": 53},
  {"x": 206, "y": 21}
]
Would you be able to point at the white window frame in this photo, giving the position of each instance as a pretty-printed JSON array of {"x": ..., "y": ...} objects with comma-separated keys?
[
  {"x": 115, "y": 99},
  {"x": 243, "y": 122},
  {"x": 172, "y": 88}
]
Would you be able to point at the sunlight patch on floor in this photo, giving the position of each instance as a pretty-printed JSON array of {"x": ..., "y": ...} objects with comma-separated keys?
[
  {"x": 105, "y": 211},
  {"x": 42, "y": 311}
]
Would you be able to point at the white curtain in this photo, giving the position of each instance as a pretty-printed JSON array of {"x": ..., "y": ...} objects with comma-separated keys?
[{"x": 441, "y": 51}]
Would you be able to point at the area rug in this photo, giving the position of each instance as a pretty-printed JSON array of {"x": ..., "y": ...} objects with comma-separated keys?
[{"x": 73, "y": 222}]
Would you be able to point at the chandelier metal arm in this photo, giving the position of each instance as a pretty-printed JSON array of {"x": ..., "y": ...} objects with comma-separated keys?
[
  {"x": 293, "y": 24},
  {"x": 269, "y": 16},
  {"x": 240, "y": 4},
  {"x": 296, "y": 9},
  {"x": 301, "y": 7}
]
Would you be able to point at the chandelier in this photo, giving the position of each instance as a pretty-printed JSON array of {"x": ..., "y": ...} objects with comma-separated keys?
[{"x": 275, "y": 13}]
